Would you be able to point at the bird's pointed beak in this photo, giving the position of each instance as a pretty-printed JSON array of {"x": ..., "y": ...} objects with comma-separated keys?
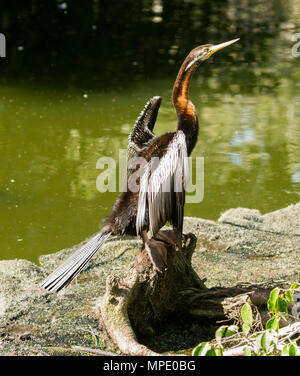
[{"x": 219, "y": 47}]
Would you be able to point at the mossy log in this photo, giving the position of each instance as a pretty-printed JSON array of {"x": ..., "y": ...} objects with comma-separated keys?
[{"x": 138, "y": 303}]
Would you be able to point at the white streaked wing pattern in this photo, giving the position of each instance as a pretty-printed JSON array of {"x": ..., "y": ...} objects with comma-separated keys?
[
  {"x": 71, "y": 267},
  {"x": 165, "y": 184}
]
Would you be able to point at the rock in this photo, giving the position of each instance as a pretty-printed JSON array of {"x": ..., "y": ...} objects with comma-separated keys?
[
  {"x": 284, "y": 220},
  {"x": 18, "y": 279},
  {"x": 242, "y": 246},
  {"x": 250, "y": 247},
  {"x": 249, "y": 218},
  {"x": 55, "y": 321}
]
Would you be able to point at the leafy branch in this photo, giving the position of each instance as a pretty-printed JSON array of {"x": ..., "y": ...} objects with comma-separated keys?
[{"x": 273, "y": 340}]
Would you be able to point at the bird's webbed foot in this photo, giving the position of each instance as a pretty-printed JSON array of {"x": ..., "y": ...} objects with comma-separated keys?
[
  {"x": 167, "y": 236},
  {"x": 156, "y": 250},
  {"x": 157, "y": 253}
]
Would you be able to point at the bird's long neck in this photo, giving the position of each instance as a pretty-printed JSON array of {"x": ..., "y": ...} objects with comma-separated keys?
[{"x": 186, "y": 112}]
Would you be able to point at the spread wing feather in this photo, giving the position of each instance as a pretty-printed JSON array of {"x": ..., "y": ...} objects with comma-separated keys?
[
  {"x": 142, "y": 130},
  {"x": 162, "y": 187},
  {"x": 69, "y": 269}
]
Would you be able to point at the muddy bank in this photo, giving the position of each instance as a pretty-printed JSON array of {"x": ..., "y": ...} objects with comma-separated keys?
[{"x": 242, "y": 246}]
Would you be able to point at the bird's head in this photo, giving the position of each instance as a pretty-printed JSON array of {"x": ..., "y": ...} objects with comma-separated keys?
[{"x": 201, "y": 53}]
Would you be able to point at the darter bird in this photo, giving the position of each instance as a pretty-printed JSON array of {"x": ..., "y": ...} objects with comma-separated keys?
[{"x": 157, "y": 174}]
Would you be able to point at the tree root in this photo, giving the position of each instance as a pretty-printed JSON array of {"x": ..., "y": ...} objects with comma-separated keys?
[
  {"x": 114, "y": 316},
  {"x": 225, "y": 303},
  {"x": 137, "y": 304}
]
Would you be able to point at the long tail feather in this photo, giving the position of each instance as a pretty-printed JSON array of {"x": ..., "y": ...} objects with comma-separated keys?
[{"x": 70, "y": 268}]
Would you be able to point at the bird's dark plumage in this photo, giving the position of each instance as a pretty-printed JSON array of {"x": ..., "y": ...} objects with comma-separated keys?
[{"x": 157, "y": 174}]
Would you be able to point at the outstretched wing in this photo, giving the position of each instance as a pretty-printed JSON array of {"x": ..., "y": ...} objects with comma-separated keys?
[
  {"x": 142, "y": 130},
  {"x": 162, "y": 186}
]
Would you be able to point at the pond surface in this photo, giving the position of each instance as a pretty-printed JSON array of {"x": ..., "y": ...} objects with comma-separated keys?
[{"x": 51, "y": 138}]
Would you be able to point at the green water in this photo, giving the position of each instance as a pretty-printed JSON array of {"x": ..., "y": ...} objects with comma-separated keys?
[
  {"x": 51, "y": 137},
  {"x": 51, "y": 141}
]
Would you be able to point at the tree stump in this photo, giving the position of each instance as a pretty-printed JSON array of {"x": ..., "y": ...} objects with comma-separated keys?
[{"x": 137, "y": 304}]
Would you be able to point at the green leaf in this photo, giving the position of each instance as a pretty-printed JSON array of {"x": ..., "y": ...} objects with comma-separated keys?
[
  {"x": 201, "y": 349},
  {"x": 285, "y": 350},
  {"x": 265, "y": 341},
  {"x": 273, "y": 299},
  {"x": 274, "y": 337},
  {"x": 246, "y": 313},
  {"x": 294, "y": 286},
  {"x": 273, "y": 323},
  {"x": 281, "y": 305},
  {"x": 289, "y": 296},
  {"x": 258, "y": 343},
  {"x": 247, "y": 351},
  {"x": 231, "y": 330},
  {"x": 219, "y": 351},
  {"x": 289, "y": 350},
  {"x": 293, "y": 351},
  {"x": 211, "y": 352},
  {"x": 220, "y": 332},
  {"x": 246, "y": 329}
]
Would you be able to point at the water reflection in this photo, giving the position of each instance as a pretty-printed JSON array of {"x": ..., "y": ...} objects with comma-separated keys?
[
  {"x": 117, "y": 57},
  {"x": 235, "y": 158},
  {"x": 117, "y": 42}
]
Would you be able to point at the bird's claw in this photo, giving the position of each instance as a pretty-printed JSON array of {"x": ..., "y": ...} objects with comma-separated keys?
[
  {"x": 167, "y": 236},
  {"x": 157, "y": 253}
]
